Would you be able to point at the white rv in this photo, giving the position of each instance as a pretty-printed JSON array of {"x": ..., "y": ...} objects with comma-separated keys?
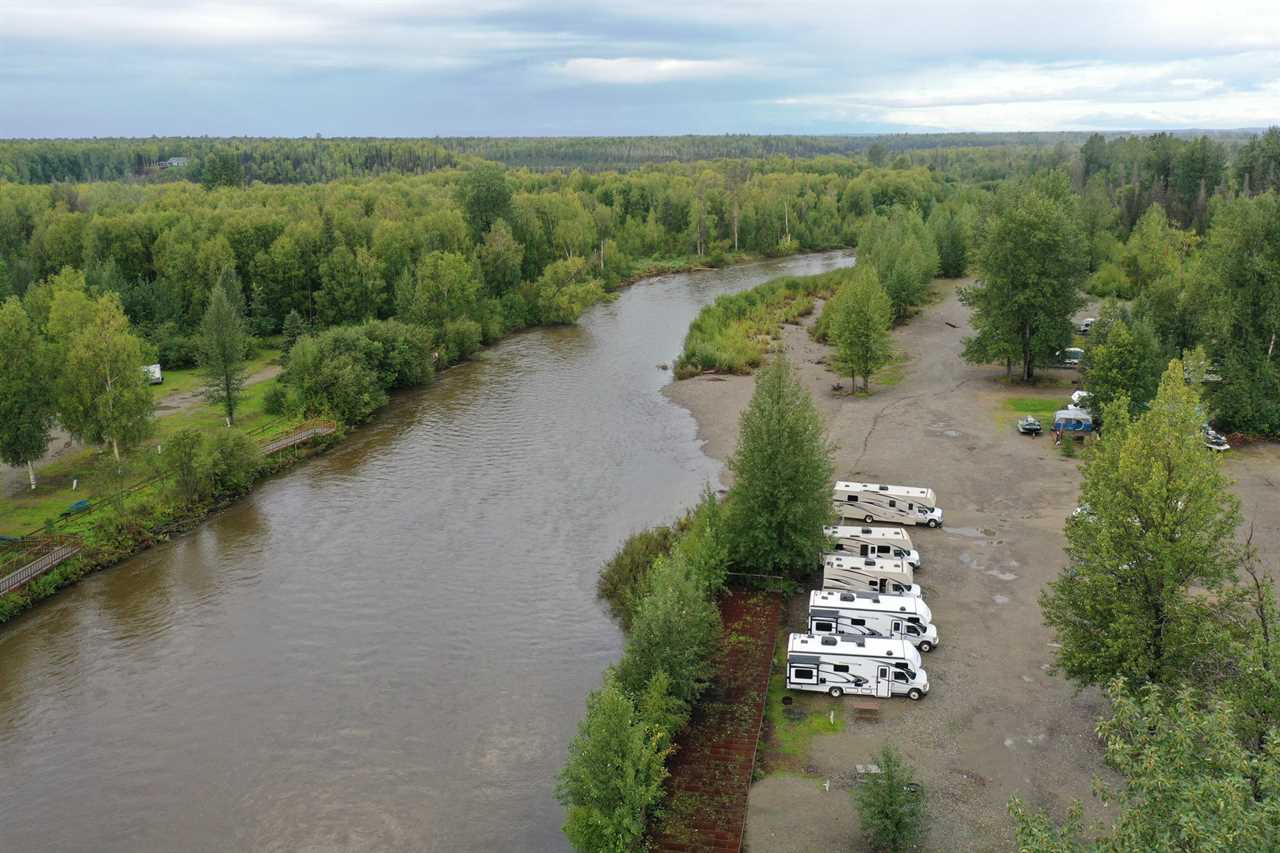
[
  {"x": 904, "y": 616},
  {"x": 868, "y": 574},
  {"x": 869, "y": 666},
  {"x": 870, "y": 502},
  {"x": 886, "y": 543}
]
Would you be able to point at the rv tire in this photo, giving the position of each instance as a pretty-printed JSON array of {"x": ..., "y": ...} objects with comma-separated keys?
[
  {"x": 926, "y": 647},
  {"x": 836, "y": 692},
  {"x": 867, "y": 519},
  {"x": 933, "y": 522},
  {"x": 915, "y": 694}
]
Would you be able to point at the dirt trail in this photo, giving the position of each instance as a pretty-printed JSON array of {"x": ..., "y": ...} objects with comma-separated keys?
[{"x": 996, "y": 723}]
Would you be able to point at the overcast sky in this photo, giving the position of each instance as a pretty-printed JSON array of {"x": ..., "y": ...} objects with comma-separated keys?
[{"x": 507, "y": 67}]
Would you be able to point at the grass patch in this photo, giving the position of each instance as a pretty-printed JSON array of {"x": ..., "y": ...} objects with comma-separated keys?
[
  {"x": 792, "y": 728},
  {"x": 893, "y": 372},
  {"x": 732, "y": 334},
  {"x": 192, "y": 378}
]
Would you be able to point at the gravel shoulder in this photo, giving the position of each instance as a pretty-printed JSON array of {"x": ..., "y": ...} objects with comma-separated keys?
[{"x": 996, "y": 723}]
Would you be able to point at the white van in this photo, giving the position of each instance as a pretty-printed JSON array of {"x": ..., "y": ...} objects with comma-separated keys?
[
  {"x": 903, "y": 616},
  {"x": 868, "y": 502},
  {"x": 844, "y": 572},
  {"x": 868, "y": 666},
  {"x": 887, "y": 543}
]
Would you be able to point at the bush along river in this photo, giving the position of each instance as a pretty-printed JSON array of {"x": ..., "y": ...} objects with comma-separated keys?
[{"x": 385, "y": 648}]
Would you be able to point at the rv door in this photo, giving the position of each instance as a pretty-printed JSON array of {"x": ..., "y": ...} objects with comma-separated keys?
[{"x": 882, "y": 682}]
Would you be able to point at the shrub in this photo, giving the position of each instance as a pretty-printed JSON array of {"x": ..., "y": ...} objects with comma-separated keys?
[
  {"x": 174, "y": 350},
  {"x": 1110, "y": 280},
  {"x": 624, "y": 580},
  {"x": 462, "y": 339},
  {"x": 891, "y": 805},
  {"x": 331, "y": 373},
  {"x": 275, "y": 401},
  {"x": 404, "y": 358},
  {"x": 182, "y": 458},
  {"x": 704, "y": 545},
  {"x": 233, "y": 463},
  {"x": 614, "y": 775}
]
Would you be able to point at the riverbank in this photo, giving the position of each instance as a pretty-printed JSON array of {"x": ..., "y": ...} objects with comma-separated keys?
[{"x": 996, "y": 722}]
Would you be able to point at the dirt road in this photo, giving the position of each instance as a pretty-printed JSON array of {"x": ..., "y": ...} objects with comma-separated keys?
[{"x": 996, "y": 723}]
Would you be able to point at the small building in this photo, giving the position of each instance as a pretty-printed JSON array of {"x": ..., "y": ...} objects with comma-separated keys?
[{"x": 174, "y": 162}]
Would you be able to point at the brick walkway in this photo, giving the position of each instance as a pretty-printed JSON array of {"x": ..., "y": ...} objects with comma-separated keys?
[{"x": 711, "y": 772}]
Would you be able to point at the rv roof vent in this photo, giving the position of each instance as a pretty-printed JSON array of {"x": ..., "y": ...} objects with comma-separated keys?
[
  {"x": 828, "y": 641},
  {"x": 868, "y": 562}
]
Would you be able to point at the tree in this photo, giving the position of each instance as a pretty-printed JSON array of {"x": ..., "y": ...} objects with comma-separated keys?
[
  {"x": 781, "y": 496},
  {"x": 501, "y": 256},
  {"x": 1190, "y": 784},
  {"x": 861, "y": 326},
  {"x": 444, "y": 287},
  {"x": 223, "y": 344},
  {"x": 614, "y": 775},
  {"x": 1097, "y": 216},
  {"x": 223, "y": 168},
  {"x": 952, "y": 240},
  {"x": 102, "y": 391},
  {"x": 1155, "y": 248},
  {"x": 485, "y": 198},
  {"x": 26, "y": 389},
  {"x": 1127, "y": 362},
  {"x": 1159, "y": 522},
  {"x": 675, "y": 629},
  {"x": 1031, "y": 267},
  {"x": 294, "y": 328},
  {"x": 891, "y": 805}
]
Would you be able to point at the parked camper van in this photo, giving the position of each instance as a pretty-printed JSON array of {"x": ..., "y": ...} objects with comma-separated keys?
[
  {"x": 868, "y": 666},
  {"x": 886, "y": 543},
  {"x": 870, "y": 502},
  {"x": 868, "y": 574},
  {"x": 903, "y": 616}
]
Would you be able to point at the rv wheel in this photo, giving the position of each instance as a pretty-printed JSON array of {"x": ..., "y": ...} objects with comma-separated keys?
[
  {"x": 926, "y": 647},
  {"x": 933, "y": 522},
  {"x": 915, "y": 694},
  {"x": 867, "y": 519},
  {"x": 836, "y": 692}
]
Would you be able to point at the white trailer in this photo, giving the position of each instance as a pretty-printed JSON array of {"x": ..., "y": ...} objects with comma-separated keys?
[
  {"x": 868, "y": 502},
  {"x": 867, "y": 666},
  {"x": 886, "y": 543},
  {"x": 868, "y": 574},
  {"x": 904, "y": 616}
]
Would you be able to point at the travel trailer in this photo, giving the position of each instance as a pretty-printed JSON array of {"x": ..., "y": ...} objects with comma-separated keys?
[
  {"x": 847, "y": 573},
  {"x": 867, "y": 666},
  {"x": 903, "y": 616},
  {"x": 868, "y": 502},
  {"x": 887, "y": 543}
]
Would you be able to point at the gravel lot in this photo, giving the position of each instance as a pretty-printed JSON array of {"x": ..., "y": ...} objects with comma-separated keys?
[{"x": 996, "y": 722}]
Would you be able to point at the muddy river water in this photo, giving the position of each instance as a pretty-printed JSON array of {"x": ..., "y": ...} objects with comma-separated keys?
[{"x": 388, "y": 647}]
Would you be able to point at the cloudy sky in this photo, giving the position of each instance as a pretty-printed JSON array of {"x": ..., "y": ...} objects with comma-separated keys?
[{"x": 511, "y": 67}]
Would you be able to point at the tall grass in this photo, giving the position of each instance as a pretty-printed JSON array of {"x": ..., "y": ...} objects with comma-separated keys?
[{"x": 732, "y": 334}]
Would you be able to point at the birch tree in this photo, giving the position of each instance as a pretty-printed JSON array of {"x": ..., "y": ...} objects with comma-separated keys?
[{"x": 26, "y": 397}]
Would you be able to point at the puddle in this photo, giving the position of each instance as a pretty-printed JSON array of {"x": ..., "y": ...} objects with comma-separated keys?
[
  {"x": 951, "y": 433},
  {"x": 970, "y": 532},
  {"x": 1032, "y": 740},
  {"x": 1000, "y": 599}
]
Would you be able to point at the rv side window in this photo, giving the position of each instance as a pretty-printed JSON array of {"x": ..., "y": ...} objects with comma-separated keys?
[
  {"x": 801, "y": 673},
  {"x": 853, "y": 499},
  {"x": 899, "y": 675},
  {"x": 841, "y": 667},
  {"x": 883, "y": 549},
  {"x": 911, "y": 506},
  {"x": 823, "y": 626},
  {"x": 914, "y": 630},
  {"x": 839, "y": 547},
  {"x": 858, "y": 622},
  {"x": 893, "y": 503}
]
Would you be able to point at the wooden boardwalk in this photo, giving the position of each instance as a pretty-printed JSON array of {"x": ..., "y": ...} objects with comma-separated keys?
[
  {"x": 42, "y": 555},
  {"x": 305, "y": 433},
  {"x": 711, "y": 773}
]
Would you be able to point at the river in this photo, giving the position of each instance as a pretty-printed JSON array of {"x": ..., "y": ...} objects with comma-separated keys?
[{"x": 386, "y": 648}]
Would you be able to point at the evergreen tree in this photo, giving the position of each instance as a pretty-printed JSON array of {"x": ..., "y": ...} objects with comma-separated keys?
[
  {"x": 1159, "y": 521},
  {"x": 614, "y": 775},
  {"x": 781, "y": 496},
  {"x": 860, "y": 329},
  {"x": 891, "y": 805},
  {"x": 223, "y": 344},
  {"x": 26, "y": 389},
  {"x": 294, "y": 328}
]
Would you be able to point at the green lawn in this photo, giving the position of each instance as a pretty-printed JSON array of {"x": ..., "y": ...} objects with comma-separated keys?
[
  {"x": 1038, "y": 407},
  {"x": 793, "y": 728},
  {"x": 94, "y": 471},
  {"x": 191, "y": 379}
]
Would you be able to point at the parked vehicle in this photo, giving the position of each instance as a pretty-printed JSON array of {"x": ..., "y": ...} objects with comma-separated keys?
[
  {"x": 1073, "y": 420},
  {"x": 1079, "y": 398},
  {"x": 847, "y": 573},
  {"x": 1214, "y": 440},
  {"x": 1029, "y": 426},
  {"x": 904, "y": 616},
  {"x": 1070, "y": 357},
  {"x": 870, "y": 502},
  {"x": 888, "y": 543},
  {"x": 1085, "y": 325},
  {"x": 867, "y": 666},
  {"x": 154, "y": 376}
]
